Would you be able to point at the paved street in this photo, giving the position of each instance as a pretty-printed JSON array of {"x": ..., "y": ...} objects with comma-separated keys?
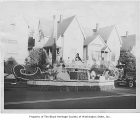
[{"x": 22, "y": 98}]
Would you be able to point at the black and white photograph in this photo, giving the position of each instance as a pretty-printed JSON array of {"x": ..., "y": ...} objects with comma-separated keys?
[{"x": 69, "y": 56}]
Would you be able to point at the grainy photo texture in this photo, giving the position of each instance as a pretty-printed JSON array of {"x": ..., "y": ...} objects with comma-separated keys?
[{"x": 69, "y": 55}]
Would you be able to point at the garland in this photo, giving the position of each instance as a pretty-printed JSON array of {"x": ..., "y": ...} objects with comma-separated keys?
[{"x": 70, "y": 88}]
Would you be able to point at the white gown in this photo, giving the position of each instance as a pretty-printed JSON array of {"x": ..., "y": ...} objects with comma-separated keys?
[{"x": 62, "y": 75}]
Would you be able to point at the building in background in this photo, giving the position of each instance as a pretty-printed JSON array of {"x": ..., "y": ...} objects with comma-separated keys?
[
  {"x": 113, "y": 40},
  {"x": 95, "y": 49},
  {"x": 15, "y": 39},
  {"x": 103, "y": 43},
  {"x": 129, "y": 43},
  {"x": 70, "y": 37}
]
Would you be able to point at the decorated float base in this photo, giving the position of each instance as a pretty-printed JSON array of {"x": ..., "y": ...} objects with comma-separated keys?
[
  {"x": 95, "y": 85},
  {"x": 64, "y": 80}
]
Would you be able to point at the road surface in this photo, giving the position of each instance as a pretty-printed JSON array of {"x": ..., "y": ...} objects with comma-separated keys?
[{"x": 22, "y": 98}]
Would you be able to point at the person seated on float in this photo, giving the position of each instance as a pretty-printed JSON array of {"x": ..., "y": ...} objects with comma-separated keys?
[
  {"x": 63, "y": 74},
  {"x": 77, "y": 58},
  {"x": 63, "y": 68},
  {"x": 53, "y": 70},
  {"x": 61, "y": 62}
]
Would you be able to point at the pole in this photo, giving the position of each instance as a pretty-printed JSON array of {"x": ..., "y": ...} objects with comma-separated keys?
[
  {"x": 27, "y": 23},
  {"x": 54, "y": 40}
]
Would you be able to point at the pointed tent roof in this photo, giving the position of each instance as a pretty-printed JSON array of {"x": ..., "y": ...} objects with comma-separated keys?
[
  {"x": 128, "y": 41},
  {"x": 104, "y": 32},
  {"x": 61, "y": 28}
]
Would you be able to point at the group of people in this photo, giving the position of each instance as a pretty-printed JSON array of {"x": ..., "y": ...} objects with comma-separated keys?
[{"x": 60, "y": 62}]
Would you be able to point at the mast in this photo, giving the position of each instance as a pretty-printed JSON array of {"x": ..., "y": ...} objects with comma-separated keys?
[
  {"x": 54, "y": 40},
  {"x": 27, "y": 24}
]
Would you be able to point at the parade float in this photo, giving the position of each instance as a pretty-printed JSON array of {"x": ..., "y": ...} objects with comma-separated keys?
[{"x": 68, "y": 77}]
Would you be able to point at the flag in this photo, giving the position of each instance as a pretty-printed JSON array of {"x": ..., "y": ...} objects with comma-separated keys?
[{"x": 41, "y": 34}]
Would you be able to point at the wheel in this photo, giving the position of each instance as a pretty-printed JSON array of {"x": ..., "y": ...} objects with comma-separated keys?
[{"x": 131, "y": 84}]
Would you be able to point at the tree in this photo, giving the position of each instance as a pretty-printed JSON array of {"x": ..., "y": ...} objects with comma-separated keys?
[
  {"x": 127, "y": 58},
  {"x": 38, "y": 58}
]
